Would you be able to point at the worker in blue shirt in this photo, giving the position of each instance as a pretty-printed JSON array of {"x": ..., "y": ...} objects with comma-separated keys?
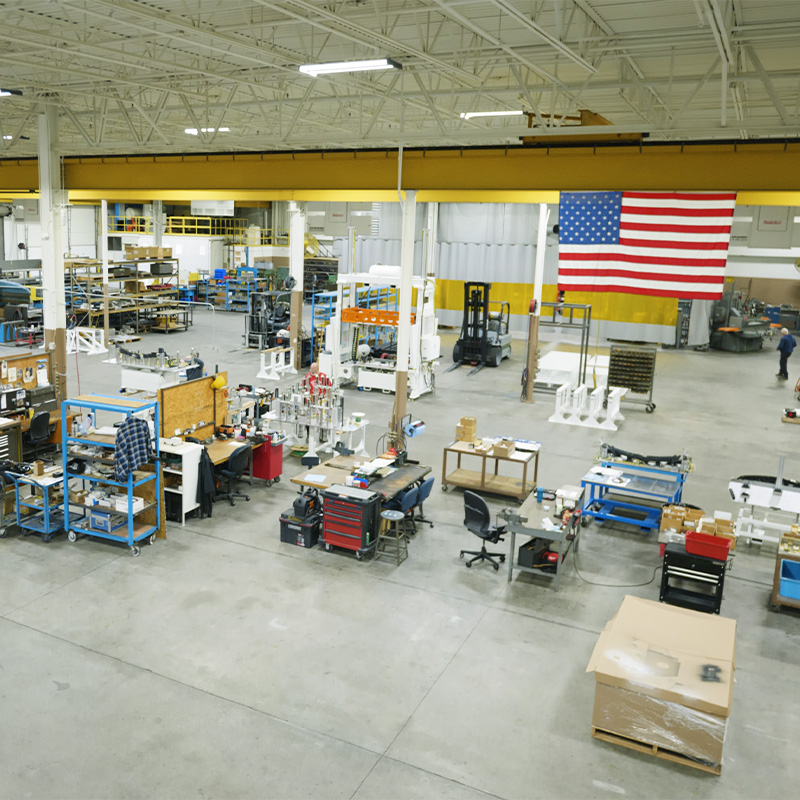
[{"x": 785, "y": 347}]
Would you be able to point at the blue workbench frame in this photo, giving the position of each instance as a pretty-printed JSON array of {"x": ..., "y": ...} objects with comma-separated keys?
[{"x": 600, "y": 506}]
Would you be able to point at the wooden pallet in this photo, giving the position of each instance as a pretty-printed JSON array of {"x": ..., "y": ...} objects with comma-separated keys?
[
  {"x": 654, "y": 750},
  {"x": 793, "y": 420}
]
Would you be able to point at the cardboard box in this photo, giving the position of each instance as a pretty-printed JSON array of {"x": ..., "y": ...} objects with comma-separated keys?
[
  {"x": 38, "y": 468},
  {"x": 649, "y": 664},
  {"x": 465, "y": 434},
  {"x": 504, "y": 448},
  {"x": 469, "y": 421},
  {"x": 680, "y": 518}
]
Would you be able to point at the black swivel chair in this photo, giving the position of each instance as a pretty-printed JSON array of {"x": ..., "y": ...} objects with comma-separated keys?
[
  {"x": 39, "y": 432},
  {"x": 232, "y": 471},
  {"x": 478, "y": 520}
]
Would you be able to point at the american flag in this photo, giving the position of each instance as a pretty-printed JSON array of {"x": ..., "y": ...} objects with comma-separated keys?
[{"x": 668, "y": 244}]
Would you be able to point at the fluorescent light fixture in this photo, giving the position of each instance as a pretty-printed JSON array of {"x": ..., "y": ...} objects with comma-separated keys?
[
  {"x": 9, "y": 92},
  {"x": 349, "y": 66},
  {"x": 195, "y": 131},
  {"x": 7, "y": 136},
  {"x": 471, "y": 114}
]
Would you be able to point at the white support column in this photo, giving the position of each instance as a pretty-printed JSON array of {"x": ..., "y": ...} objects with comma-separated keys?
[
  {"x": 297, "y": 234},
  {"x": 104, "y": 259},
  {"x": 404, "y": 308},
  {"x": 51, "y": 201},
  {"x": 158, "y": 222},
  {"x": 532, "y": 360},
  {"x": 431, "y": 238}
]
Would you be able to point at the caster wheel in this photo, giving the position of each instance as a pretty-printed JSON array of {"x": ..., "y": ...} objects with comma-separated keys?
[
  {"x": 585, "y": 521},
  {"x": 775, "y": 607},
  {"x": 329, "y": 547},
  {"x": 47, "y": 537},
  {"x": 277, "y": 480},
  {"x": 496, "y": 567},
  {"x": 359, "y": 556},
  {"x": 468, "y": 565},
  {"x": 444, "y": 488},
  {"x": 502, "y": 559},
  {"x": 461, "y": 555},
  {"x": 72, "y": 536},
  {"x": 650, "y": 408},
  {"x": 135, "y": 551},
  {"x": 152, "y": 539}
]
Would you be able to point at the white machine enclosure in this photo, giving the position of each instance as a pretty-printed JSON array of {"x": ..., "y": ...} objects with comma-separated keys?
[{"x": 336, "y": 360}]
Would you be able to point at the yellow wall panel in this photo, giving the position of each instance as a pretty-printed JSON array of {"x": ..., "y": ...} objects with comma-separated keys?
[
  {"x": 619, "y": 307},
  {"x": 450, "y": 295}
]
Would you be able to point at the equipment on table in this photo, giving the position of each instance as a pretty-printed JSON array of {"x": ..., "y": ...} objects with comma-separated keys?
[
  {"x": 42, "y": 398},
  {"x": 695, "y": 581},
  {"x": 150, "y": 372},
  {"x": 772, "y": 505},
  {"x": 306, "y": 504},
  {"x": 485, "y": 338},
  {"x": 301, "y": 532},
  {"x": 623, "y": 486},
  {"x": 478, "y": 520},
  {"x": 232, "y": 472},
  {"x": 350, "y": 519}
]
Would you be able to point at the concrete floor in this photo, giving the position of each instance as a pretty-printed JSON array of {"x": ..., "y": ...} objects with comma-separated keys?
[{"x": 223, "y": 663}]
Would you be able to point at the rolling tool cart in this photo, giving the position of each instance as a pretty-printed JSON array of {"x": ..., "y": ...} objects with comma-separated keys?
[
  {"x": 350, "y": 519},
  {"x": 693, "y": 575},
  {"x": 40, "y": 509},
  {"x": 633, "y": 367}
]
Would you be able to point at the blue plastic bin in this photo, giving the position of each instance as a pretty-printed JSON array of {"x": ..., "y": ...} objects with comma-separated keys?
[{"x": 790, "y": 579}]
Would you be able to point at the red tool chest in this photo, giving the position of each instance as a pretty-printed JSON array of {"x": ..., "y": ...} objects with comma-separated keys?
[
  {"x": 350, "y": 518},
  {"x": 268, "y": 461}
]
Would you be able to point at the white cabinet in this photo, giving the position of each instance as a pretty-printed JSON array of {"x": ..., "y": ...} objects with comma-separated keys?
[{"x": 181, "y": 464}]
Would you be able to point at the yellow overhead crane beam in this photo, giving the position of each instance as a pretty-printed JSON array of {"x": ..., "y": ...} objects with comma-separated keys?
[{"x": 764, "y": 173}]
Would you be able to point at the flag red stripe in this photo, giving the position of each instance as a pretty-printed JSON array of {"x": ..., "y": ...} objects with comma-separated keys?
[
  {"x": 635, "y": 290},
  {"x": 679, "y": 196},
  {"x": 631, "y": 259},
  {"x": 677, "y": 211},
  {"x": 649, "y": 226},
  {"x": 644, "y": 276},
  {"x": 665, "y": 245}
]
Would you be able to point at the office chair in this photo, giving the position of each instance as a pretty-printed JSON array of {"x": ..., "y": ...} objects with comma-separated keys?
[
  {"x": 39, "y": 431},
  {"x": 478, "y": 520},
  {"x": 424, "y": 493},
  {"x": 405, "y": 502},
  {"x": 232, "y": 471}
]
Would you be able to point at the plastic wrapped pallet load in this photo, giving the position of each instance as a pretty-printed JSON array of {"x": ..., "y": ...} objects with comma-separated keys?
[{"x": 664, "y": 682}]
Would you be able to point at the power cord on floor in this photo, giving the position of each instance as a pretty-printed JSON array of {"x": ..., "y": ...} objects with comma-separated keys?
[{"x": 610, "y": 585}]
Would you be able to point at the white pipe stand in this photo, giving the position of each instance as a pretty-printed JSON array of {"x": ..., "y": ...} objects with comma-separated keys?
[
  {"x": 85, "y": 340},
  {"x": 563, "y": 403}
]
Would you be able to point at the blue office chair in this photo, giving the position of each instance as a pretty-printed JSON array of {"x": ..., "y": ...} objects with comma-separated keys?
[
  {"x": 405, "y": 502},
  {"x": 424, "y": 493}
]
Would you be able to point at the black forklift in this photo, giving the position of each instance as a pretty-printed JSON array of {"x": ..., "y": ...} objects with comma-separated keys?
[{"x": 485, "y": 338}]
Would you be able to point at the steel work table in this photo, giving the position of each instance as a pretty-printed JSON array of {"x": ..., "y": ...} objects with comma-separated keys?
[
  {"x": 527, "y": 520},
  {"x": 636, "y": 484}
]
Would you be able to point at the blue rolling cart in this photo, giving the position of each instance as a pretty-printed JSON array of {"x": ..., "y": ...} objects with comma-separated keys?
[
  {"x": 36, "y": 511},
  {"x": 119, "y": 523}
]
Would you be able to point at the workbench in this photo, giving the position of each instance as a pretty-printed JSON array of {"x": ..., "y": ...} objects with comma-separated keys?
[
  {"x": 494, "y": 483},
  {"x": 620, "y": 492},
  {"x": 389, "y": 487},
  {"x": 527, "y": 521}
]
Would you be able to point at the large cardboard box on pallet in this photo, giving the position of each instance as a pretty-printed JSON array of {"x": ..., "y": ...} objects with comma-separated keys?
[{"x": 664, "y": 681}]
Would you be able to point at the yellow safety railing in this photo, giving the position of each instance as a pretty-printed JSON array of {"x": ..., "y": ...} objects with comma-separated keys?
[
  {"x": 230, "y": 227},
  {"x": 130, "y": 224},
  {"x": 274, "y": 237}
]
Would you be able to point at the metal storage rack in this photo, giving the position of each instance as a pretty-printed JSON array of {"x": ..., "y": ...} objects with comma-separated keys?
[
  {"x": 563, "y": 316},
  {"x": 318, "y": 274},
  {"x": 78, "y": 518},
  {"x": 633, "y": 367}
]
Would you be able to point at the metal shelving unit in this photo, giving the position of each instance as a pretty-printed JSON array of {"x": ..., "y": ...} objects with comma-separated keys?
[{"x": 122, "y": 526}]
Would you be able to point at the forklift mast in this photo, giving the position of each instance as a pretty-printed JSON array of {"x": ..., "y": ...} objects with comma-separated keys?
[{"x": 475, "y": 326}]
